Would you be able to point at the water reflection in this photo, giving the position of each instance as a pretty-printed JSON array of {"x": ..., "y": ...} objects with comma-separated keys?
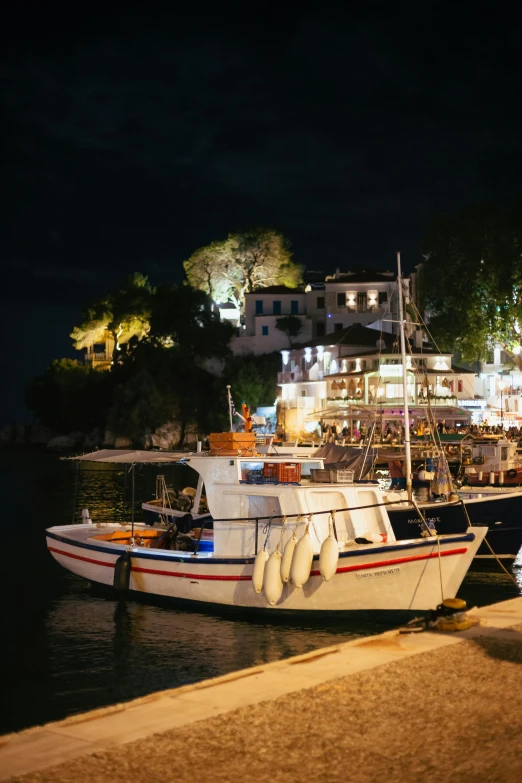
[
  {"x": 69, "y": 649},
  {"x": 101, "y": 651}
]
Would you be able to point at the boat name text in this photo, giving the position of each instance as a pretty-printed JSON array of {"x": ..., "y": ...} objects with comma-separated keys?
[
  {"x": 418, "y": 521},
  {"x": 378, "y": 574}
]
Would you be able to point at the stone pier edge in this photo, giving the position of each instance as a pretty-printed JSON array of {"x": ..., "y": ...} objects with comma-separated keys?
[{"x": 40, "y": 747}]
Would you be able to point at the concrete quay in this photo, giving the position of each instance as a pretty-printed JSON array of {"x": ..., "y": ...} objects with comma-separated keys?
[{"x": 431, "y": 706}]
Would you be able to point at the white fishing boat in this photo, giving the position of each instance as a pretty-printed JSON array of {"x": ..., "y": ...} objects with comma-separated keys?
[
  {"x": 492, "y": 461},
  {"x": 280, "y": 540},
  {"x": 255, "y": 525}
]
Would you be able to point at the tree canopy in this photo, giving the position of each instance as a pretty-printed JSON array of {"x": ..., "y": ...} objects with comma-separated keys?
[
  {"x": 185, "y": 317},
  {"x": 124, "y": 313},
  {"x": 471, "y": 281},
  {"x": 291, "y": 326},
  {"x": 253, "y": 378},
  {"x": 161, "y": 375},
  {"x": 228, "y": 269}
]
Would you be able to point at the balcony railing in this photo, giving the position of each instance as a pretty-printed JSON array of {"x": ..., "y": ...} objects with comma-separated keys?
[
  {"x": 293, "y": 376},
  {"x": 309, "y": 403},
  {"x": 352, "y": 309}
]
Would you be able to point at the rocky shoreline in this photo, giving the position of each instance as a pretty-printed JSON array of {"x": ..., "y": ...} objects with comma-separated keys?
[{"x": 165, "y": 437}]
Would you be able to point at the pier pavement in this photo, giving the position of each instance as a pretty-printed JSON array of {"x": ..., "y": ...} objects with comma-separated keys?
[{"x": 431, "y": 706}]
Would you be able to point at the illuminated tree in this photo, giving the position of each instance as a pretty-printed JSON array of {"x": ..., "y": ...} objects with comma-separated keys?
[
  {"x": 207, "y": 270},
  {"x": 243, "y": 263},
  {"x": 162, "y": 377},
  {"x": 123, "y": 314}
]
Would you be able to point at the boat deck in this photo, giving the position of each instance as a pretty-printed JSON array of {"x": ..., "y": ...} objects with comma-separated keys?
[{"x": 431, "y": 706}]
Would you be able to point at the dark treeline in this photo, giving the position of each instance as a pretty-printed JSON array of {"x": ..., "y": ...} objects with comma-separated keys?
[{"x": 173, "y": 366}]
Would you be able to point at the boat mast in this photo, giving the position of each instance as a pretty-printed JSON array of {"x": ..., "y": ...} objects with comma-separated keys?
[
  {"x": 229, "y": 396},
  {"x": 407, "y": 447}
]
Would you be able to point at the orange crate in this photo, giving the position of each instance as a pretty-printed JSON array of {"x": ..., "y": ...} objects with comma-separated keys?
[
  {"x": 284, "y": 472},
  {"x": 233, "y": 444}
]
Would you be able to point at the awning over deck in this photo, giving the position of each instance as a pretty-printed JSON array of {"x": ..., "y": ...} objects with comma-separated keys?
[
  {"x": 130, "y": 456},
  {"x": 389, "y": 413}
]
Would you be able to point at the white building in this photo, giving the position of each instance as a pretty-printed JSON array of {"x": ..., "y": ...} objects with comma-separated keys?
[
  {"x": 263, "y": 308},
  {"x": 345, "y": 298},
  {"x": 499, "y": 383},
  {"x": 364, "y": 297},
  {"x": 360, "y": 369}
]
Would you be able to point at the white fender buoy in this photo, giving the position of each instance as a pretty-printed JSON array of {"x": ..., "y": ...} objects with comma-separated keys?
[
  {"x": 272, "y": 582},
  {"x": 286, "y": 560},
  {"x": 259, "y": 570},
  {"x": 328, "y": 557},
  {"x": 426, "y": 475},
  {"x": 491, "y": 477},
  {"x": 302, "y": 560}
]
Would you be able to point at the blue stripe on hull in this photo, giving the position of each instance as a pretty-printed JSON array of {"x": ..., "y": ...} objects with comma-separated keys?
[{"x": 143, "y": 553}]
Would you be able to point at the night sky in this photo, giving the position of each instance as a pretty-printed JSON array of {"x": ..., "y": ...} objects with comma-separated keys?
[{"x": 130, "y": 139}]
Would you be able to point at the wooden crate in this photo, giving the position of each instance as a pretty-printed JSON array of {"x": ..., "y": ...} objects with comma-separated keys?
[
  {"x": 233, "y": 444},
  {"x": 283, "y": 472}
]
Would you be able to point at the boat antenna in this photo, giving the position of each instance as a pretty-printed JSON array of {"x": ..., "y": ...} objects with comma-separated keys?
[{"x": 407, "y": 445}]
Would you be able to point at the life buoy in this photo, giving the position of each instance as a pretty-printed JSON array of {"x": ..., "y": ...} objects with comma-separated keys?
[
  {"x": 466, "y": 451},
  {"x": 512, "y": 473},
  {"x": 477, "y": 460}
]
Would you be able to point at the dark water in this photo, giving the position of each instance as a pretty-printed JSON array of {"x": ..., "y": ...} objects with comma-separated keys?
[{"x": 65, "y": 649}]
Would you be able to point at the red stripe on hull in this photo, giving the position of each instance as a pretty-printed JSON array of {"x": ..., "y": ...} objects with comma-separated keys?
[
  {"x": 396, "y": 561},
  {"x": 232, "y": 578},
  {"x": 79, "y": 557}
]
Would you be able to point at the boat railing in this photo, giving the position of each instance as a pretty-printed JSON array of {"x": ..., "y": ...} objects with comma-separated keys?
[{"x": 305, "y": 518}]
